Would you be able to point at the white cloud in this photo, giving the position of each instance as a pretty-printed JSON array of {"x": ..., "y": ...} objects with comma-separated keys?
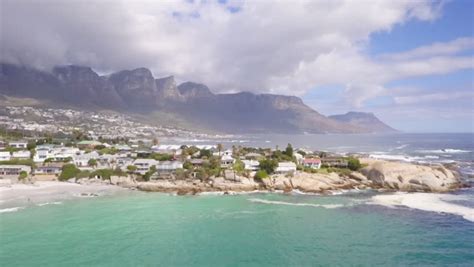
[
  {"x": 286, "y": 47},
  {"x": 436, "y": 49}
]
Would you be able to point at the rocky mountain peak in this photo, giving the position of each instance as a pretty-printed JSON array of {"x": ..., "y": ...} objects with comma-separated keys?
[
  {"x": 73, "y": 73},
  {"x": 192, "y": 90}
]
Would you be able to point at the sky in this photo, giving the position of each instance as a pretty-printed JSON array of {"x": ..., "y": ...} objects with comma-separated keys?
[{"x": 409, "y": 62}]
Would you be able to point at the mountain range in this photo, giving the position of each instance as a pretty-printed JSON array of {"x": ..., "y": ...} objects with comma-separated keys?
[{"x": 138, "y": 92}]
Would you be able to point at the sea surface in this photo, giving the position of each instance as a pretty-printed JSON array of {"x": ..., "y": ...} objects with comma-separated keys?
[{"x": 348, "y": 228}]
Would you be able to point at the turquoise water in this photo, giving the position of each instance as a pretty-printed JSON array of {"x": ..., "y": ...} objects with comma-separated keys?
[{"x": 152, "y": 229}]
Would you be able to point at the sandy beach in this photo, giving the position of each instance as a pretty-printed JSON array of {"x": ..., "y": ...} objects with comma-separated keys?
[{"x": 18, "y": 196}]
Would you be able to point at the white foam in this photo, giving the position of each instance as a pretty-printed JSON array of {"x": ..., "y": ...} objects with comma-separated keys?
[
  {"x": 445, "y": 151},
  {"x": 327, "y": 206},
  {"x": 11, "y": 209},
  {"x": 50, "y": 203},
  {"x": 426, "y": 202},
  {"x": 402, "y": 146},
  {"x": 394, "y": 157}
]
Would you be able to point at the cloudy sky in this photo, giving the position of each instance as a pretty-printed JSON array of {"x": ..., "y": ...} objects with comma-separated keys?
[{"x": 410, "y": 62}]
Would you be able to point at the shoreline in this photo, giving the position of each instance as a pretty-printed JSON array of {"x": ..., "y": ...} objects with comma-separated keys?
[{"x": 378, "y": 175}]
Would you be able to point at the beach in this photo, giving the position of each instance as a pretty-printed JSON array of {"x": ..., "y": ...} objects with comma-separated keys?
[{"x": 19, "y": 196}]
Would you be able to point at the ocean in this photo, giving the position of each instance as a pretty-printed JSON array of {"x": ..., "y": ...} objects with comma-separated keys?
[{"x": 348, "y": 228}]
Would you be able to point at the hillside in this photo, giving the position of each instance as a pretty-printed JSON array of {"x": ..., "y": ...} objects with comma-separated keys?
[{"x": 138, "y": 92}]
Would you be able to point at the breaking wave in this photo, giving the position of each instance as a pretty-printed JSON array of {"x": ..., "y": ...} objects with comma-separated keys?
[
  {"x": 11, "y": 209},
  {"x": 50, "y": 203},
  {"x": 445, "y": 151},
  {"x": 327, "y": 206},
  {"x": 427, "y": 202}
]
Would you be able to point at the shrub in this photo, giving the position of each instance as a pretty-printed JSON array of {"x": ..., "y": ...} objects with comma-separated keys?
[
  {"x": 23, "y": 175},
  {"x": 261, "y": 174},
  {"x": 69, "y": 171},
  {"x": 83, "y": 174},
  {"x": 354, "y": 164},
  {"x": 268, "y": 165},
  {"x": 104, "y": 174},
  {"x": 131, "y": 168}
]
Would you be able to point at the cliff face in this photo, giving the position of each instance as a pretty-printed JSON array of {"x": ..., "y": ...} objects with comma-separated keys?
[{"x": 138, "y": 91}]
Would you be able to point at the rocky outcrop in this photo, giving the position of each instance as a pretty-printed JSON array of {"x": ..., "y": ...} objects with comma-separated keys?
[
  {"x": 377, "y": 175},
  {"x": 410, "y": 177}
]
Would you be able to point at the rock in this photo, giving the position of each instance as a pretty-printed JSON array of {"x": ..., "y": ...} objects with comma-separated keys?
[
  {"x": 125, "y": 181},
  {"x": 411, "y": 177}
]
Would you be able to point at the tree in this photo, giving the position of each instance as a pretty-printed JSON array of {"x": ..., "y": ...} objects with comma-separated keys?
[
  {"x": 31, "y": 146},
  {"x": 239, "y": 166},
  {"x": 268, "y": 165},
  {"x": 289, "y": 151},
  {"x": 149, "y": 173},
  {"x": 23, "y": 175},
  {"x": 131, "y": 169},
  {"x": 99, "y": 147},
  {"x": 92, "y": 163},
  {"x": 205, "y": 153},
  {"x": 353, "y": 164},
  {"x": 187, "y": 165},
  {"x": 69, "y": 171},
  {"x": 261, "y": 174}
]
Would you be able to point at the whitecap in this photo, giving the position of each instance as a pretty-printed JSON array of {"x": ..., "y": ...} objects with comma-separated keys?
[
  {"x": 426, "y": 202},
  {"x": 11, "y": 209},
  {"x": 402, "y": 146},
  {"x": 264, "y": 201}
]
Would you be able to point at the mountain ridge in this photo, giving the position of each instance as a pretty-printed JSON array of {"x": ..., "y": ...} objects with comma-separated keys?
[{"x": 138, "y": 91}]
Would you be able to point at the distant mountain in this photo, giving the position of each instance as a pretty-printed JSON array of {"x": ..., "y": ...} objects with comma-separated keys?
[
  {"x": 367, "y": 120},
  {"x": 138, "y": 92}
]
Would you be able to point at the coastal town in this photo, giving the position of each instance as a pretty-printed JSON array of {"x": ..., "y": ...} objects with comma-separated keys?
[
  {"x": 64, "y": 121},
  {"x": 147, "y": 165}
]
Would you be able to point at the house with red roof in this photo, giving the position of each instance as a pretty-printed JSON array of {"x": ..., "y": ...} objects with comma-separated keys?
[{"x": 312, "y": 163}]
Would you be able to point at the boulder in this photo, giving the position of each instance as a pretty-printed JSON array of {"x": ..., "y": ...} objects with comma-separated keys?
[{"x": 411, "y": 177}]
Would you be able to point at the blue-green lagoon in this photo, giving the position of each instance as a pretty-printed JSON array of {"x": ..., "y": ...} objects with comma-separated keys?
[{"x": 154, "y": 229}]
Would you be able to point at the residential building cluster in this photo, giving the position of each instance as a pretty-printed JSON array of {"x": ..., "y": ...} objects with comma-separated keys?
[{"x": 148, "y": 160}]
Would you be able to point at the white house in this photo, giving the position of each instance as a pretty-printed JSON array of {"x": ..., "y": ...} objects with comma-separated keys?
[
  {"x": 286, "y": 167},
  {"x": 227, "y": 161},
  {"x": 10, "y": 171},
  {"x": 251, "y": 165},
  {"x": 83, "y": 160},
  {"x": 123, "y": 162},
  {"x": 22, "y": 154},
  {"x": 5, "y": 155},
  {"x": 144, "y": 165},
  {"x": 169, "y": 166},
  {"x": 48, "y": 170},
  {"x": 19, "y": 144},
  {"x": 42, "y": 153}
]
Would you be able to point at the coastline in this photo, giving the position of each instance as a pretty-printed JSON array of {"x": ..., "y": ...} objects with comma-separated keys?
[
  {"x": 378, "y": 175},
  {"x": 18, "y": 196}
]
